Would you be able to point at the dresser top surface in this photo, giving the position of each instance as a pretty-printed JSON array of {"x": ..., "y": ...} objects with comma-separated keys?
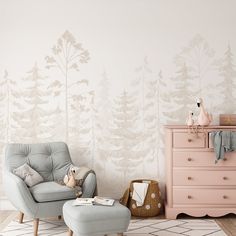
[{"x": 210, "y": 127}]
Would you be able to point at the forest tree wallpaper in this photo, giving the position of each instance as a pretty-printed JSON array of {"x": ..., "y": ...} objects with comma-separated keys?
[{"x": 105, "y": 76}]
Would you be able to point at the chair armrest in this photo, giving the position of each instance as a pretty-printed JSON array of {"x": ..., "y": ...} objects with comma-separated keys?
[
  {"x": 19, "y": 194},
  {"x": 89, "y": 185}
]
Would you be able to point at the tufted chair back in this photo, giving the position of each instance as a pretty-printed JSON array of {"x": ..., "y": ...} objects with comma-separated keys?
[{"x": 50, "y": 160}]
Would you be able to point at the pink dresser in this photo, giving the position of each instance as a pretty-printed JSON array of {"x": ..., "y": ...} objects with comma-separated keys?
[{"x": 195, "y": 185}]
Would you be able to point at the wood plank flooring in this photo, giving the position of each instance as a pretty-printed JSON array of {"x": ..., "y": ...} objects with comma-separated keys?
[{"x": 227, "y": 223}]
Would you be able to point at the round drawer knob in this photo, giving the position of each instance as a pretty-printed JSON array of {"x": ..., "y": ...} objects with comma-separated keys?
[
  {"x": 225, "y": 159},
  {"x": 189, "y": 159},
  {"x": 225, "y": 197},
  {"x": 189, "y": 178},
  {"x": 189, "y": 197},
  {"x": 189, "y": 140},
  {"x": 225, "y": 178}
]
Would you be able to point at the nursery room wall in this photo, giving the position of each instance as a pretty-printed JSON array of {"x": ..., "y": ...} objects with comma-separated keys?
[{"x": 105, "y": 76}]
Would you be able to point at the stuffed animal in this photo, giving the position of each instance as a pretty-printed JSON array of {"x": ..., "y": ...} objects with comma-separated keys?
[
  {"x": 75, "y": 178},
  {"x": 69, "y": 179}
]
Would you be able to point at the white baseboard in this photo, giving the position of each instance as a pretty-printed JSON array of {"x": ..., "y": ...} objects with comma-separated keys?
[{"x": 6, "y": 205}]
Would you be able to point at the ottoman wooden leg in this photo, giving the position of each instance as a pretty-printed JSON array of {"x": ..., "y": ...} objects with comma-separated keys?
[{"x": 70, "y": 232}]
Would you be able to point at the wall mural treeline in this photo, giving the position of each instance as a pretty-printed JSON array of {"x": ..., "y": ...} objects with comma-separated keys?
[{"x": 121, "y": 133}]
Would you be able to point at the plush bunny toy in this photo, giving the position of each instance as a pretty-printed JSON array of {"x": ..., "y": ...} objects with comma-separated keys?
[{"x": 69, "y": 179}]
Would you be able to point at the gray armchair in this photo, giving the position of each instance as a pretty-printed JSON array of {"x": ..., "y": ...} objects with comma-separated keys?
[{"x": 51, "y": 161}]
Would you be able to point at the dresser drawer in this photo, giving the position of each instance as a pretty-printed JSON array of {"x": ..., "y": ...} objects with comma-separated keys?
[
  {"x": 202, "y": 159},
  {"x": 204, "y": 196},
  {"x": 203, "y": 177},
  {"x": 185, "y": 140}
]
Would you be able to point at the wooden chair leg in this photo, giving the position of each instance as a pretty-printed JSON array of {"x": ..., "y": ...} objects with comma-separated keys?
[
  {"x": 59, "y": 217},
  {"x": 21, "y": 217},
  {"x": 70, "y": 232},
  {"x": 36, "y": 226}
]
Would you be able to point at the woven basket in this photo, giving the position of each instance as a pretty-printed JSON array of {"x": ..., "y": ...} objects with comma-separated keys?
[{"x": 152, "y": 203}]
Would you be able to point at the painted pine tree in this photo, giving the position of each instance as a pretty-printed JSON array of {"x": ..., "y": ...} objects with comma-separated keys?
[
  {"x": 32, "y": 122},
  {"x": 166, "y": 115},
  {"x": 80, "y": 127},
  {"x": 141, "y": 86},
  {"x": 57, "y": 129},
  {"x": 93, "y": 125},
  {"x": 183, "y": 94},
  {"x": 54, "y": 122},
  {"x": 86, "y": 123},
  {"x": 165, "y": 107},
  {"x": 67, "y": 55},
  {"x": 102, "y": 127},
  {"x": 151, "y": 118},
  {"x": 198, "y": 57},
  {"x": 125, "y": 138},
  {"x": 227, "y": 87},
  {"x": 9, "y": 99},
  {"x": 145, "y": 88},
  {"x": 8, "y": 102},
  {"x": 79, "y": 122},
  {"x": 193, "y": 63},
  {"x": 103, "y": 106}
]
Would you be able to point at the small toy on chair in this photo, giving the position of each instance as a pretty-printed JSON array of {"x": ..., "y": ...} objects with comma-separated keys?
[
  {"x": 69, "y": 179},
  {"x": 203, "y": 118},
  {"x": 75, "y": 177}
]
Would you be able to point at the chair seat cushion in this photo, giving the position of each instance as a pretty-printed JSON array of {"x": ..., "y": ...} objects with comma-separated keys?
[{"x": 51, "y": 191}]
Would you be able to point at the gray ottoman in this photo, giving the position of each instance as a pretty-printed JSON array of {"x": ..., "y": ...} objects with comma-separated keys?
[{"x": 96, "y": 220}]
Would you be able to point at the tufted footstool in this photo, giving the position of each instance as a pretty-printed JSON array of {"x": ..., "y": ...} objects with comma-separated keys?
[{"x": 96, "y": 219}]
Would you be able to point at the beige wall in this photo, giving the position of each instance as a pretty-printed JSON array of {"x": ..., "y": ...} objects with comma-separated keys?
[{"x": 104, "y": 76}]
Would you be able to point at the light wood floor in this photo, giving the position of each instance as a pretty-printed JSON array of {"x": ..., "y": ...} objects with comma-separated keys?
[
  {"x": 4, "y": 215},
  {"x": 227, "y": 223}
]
